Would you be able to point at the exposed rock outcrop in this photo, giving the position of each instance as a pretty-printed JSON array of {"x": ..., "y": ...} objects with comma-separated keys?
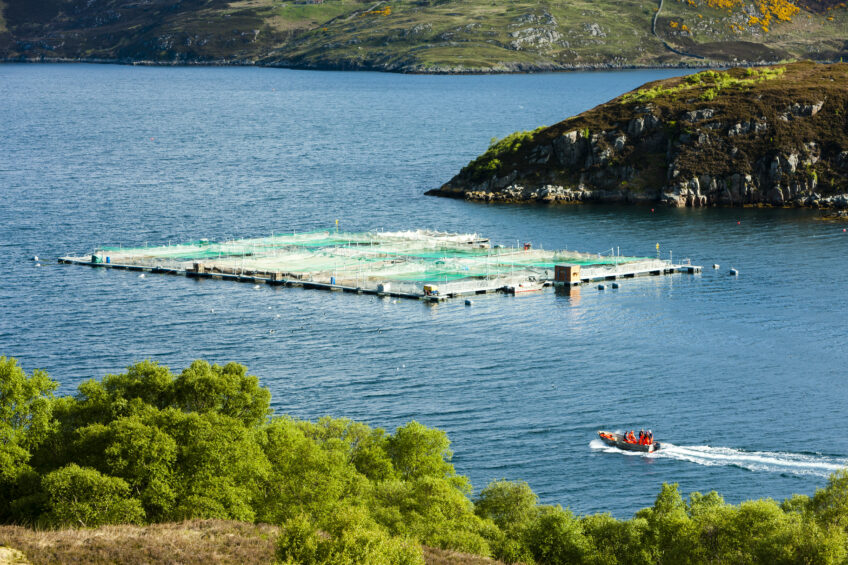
[{"x": 777, "y": 136}]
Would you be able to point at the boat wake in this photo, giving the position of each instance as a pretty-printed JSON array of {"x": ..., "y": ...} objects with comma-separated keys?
[{"x": 767, "y": 461}]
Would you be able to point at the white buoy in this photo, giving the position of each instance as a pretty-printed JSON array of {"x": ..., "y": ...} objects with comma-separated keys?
[
  {"x": 38, "y": 264},
  {"x": 35, "y": 257},
  {"x": 256, "y": 287},
  {"x": 716, "y": 265},
  {"x": 141, "y": 276}
]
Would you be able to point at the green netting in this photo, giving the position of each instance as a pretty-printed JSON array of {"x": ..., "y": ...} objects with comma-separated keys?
[{"x": 407, "y": 256}]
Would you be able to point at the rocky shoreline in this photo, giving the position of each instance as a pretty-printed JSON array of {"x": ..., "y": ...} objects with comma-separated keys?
[{"x": 773, "y": 137}]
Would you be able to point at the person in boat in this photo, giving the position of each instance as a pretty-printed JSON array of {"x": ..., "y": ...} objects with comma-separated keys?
[
  {"x": 650, "y": 437},
  {"x": 630, "y": 437},
  {"x": 642, "y": 437}
]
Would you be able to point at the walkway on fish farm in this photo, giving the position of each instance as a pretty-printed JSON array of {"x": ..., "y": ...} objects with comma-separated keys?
[{"x": 419, "y": 264}]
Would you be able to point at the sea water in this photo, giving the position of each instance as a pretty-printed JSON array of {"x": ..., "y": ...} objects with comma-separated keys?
[{"x": 742, "y": 376}]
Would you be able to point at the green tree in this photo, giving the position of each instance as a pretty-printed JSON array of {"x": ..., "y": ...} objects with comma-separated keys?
[
  {"x": 25, "y": 410},
  {"x": 418, "y": 451},
  {"x": 298, "y": 541},
  {"x": 510, "y": 505},
  {"x": 830, "y": 504},
  {"x": 672, "y": 534},
  {"x": 227, "y": 390},
  {"x": 435, "y": 511},
  {"x": 616, "y": 542},
  {"x": 366, "y": 446},
  {"x": 219, "y": 467},
  {"x": 26, "y": 421},
  {"x": 306, "y": 476},
  {"x": 556, "y": 538},
  {"x": 78, "y": 496},
  {"x": 147, "y": 381},
  {"x": 141, "y": 454},
  {"x": 349, "y": 538},
  {"x": 798, "y": 503}
]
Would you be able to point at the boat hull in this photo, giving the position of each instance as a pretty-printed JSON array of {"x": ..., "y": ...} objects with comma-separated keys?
[{"x": 617, "y": 440}]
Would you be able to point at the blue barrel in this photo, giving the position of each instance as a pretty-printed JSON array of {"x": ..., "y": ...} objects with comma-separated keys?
[{"x": 108, "y": 259}]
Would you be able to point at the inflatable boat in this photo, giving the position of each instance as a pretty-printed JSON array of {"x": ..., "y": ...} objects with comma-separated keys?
[{"x": 617, "y": 440}]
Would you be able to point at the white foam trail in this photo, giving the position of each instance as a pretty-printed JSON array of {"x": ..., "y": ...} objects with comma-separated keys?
[{"x": 768, "y": 461}]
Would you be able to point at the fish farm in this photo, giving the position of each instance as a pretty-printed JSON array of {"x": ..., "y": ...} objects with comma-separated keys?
[{"x": 419, "y": 264}]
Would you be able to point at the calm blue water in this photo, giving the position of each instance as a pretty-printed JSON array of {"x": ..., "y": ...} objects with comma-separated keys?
[{"x": 745, "y": 376}]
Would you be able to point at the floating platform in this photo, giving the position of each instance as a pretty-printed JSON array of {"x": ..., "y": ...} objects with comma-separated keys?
[{"x": 421, "y": 264}]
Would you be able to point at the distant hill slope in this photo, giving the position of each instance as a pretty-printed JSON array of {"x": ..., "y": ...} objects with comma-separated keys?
[
  {"x": 425, "y": 35},
  {"x": 772, "y": 135}
]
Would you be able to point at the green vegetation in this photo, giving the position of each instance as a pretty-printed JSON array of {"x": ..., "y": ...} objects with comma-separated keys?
[
  {"x": 489, "y": 163},
  {"x": 709, "y": 83},
  {"x": 148, "y": 446}
]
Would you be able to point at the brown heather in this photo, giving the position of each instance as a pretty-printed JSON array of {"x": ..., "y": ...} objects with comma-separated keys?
[{"x": 200, "y": 542}]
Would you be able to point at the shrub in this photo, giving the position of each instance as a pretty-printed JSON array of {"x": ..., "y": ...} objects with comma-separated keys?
[
  {"x": 490, "y": 162},
  {"x": 709, "y": 94},
  {"x": 418, "y": 451},
  {"x": 350, "y": 539},
  {"x": 510, "y": 505},
  {"x": 79, "y": 496},
  {"x": 556, "y": 538}
]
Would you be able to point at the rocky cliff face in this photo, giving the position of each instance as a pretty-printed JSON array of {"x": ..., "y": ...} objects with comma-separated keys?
[{"x": 775, "y": 136}]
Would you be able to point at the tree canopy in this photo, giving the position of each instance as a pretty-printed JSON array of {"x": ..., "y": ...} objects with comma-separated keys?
[{"x": 150, "y": 446}]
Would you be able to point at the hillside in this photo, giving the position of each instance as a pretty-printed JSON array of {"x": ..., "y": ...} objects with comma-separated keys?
[
  {"x": 425, "y": 35},
  {"x": 773, "y": 135}
]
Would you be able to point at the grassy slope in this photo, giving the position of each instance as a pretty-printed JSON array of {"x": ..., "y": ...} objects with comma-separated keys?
[
  {"x": 451, "y": 35},
  {"x": 479, "y": 34},
  {"x": 810, "y": 34},
  {"x": 196, "y": 542}
]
